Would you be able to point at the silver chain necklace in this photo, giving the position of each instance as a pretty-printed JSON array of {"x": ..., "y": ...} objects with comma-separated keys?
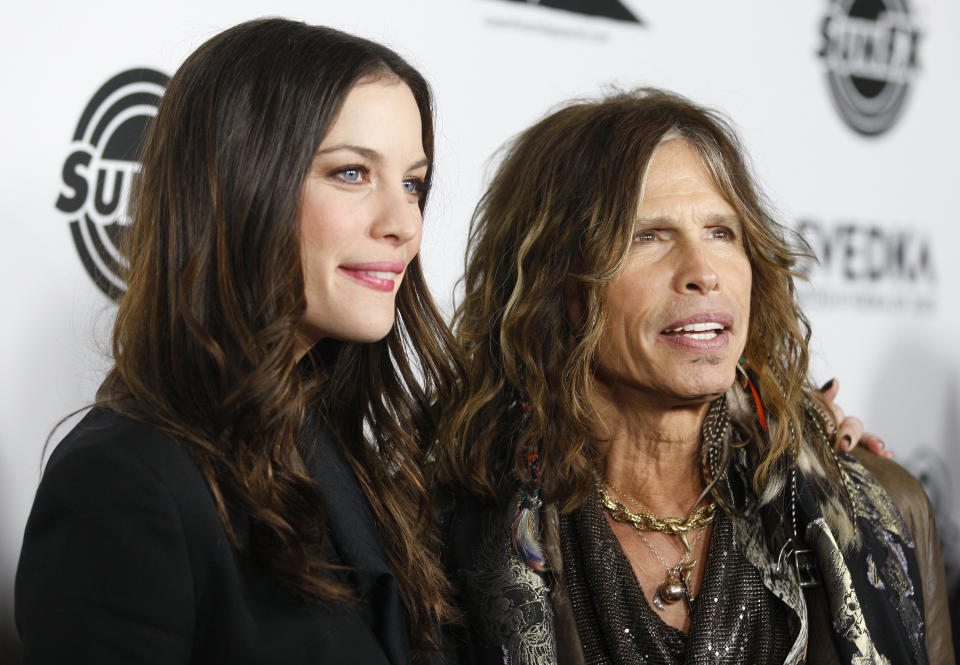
[{"x": 676, "y": 585}]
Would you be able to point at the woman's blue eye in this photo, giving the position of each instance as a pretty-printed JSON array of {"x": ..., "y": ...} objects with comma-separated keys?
[
  {"x": 351, "y": 175},
  {"x": 413, "y": 186}
]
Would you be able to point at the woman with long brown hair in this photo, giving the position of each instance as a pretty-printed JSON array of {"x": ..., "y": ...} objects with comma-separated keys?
[
  {"x": 248, "y": 487},
  {"x": 641, "y": 469}
]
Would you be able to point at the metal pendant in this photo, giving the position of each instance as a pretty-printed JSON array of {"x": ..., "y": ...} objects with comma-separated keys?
[
  {"x": 669, "y": 592},
  {"x": 674, "y": 587}
]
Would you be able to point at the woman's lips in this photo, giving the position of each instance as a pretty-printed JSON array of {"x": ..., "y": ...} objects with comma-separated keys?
[{"x": 379, "y": 276}]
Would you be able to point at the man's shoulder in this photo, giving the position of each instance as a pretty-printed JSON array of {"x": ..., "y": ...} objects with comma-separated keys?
[{"x": 899, "y": 483}]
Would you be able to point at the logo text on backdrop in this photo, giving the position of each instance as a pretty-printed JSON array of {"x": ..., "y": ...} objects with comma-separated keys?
[
  {"x": 870, "y": 51},
  {"x": 100, "y": 172},
  {"x": 869, "y": 266}
]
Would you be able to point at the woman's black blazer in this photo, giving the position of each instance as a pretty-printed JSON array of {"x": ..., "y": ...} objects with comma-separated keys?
[{"x": 125, "y": 560}]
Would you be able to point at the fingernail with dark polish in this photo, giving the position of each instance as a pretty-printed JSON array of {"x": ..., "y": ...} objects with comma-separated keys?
[
  {"x": 846, "y": 442},
  {"x": 825, "y": 387}
]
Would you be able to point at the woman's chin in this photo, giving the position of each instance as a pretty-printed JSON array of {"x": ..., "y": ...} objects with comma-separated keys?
[{"x": 355, "y": 332}]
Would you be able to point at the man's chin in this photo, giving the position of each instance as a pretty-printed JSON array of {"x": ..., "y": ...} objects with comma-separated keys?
[
  {"x": 701, "y": 398},
  {"x": 704, "y": 393}
]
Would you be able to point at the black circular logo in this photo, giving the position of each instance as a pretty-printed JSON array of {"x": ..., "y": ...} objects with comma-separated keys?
[
  {"x": 870, "y": 50},
  {"x": 102, "y": 168}
]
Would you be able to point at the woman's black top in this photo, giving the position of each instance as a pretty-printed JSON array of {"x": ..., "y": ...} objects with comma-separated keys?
[{"x": 125, "y": 560}]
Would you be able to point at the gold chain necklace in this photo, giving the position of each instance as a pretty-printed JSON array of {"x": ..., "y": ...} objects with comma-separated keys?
[
  {"x": 676, "y": 584},
  {"x": 647, "y": 521}
]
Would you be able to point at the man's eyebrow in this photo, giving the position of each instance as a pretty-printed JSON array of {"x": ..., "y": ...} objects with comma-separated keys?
[
  {"x": 717, "y": 218},
  {"x": 659, "y": 219},
  {"x": 731, "y": 220}
]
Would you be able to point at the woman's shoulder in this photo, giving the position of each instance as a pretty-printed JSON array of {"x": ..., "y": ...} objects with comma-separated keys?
[
  {"x": 111, "y": 543},
  {"x": 104, "y": 429},
  {"x": 109, "y": 458},
  {"x": 104, "y": 433}
]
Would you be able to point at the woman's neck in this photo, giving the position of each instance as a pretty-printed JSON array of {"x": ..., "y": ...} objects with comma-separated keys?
[{"x": 651, "y": 452}]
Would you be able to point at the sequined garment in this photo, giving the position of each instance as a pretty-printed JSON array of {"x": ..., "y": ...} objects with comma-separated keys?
[
  {"x": 873, "y": 592},
  {"x": 735, "y": 618}
]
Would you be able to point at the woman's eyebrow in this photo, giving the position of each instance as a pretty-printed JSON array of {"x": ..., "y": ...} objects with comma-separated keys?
[
  {"x": 366, "y": 153},
  {"x": 369, "y": 154},
  {"x": 419, "y": 164}
]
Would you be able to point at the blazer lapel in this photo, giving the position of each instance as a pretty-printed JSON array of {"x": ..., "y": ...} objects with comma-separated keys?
[{"x": 352, "y": 529}]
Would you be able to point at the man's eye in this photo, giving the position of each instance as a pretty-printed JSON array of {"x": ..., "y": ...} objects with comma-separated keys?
[
  {"x": 644, "y": 236},
  {"x": 722, "y": 233}
]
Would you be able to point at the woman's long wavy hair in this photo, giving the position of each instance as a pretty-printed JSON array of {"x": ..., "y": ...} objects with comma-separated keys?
[
  {"x": 205, "y": 341},
  {"x": 554, "y": 228}
]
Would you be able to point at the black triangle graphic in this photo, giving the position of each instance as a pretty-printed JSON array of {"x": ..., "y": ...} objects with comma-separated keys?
[{"x": 607, "y": 8}]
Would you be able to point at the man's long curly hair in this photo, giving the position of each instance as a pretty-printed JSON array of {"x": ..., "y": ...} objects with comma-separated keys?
[
  {"x": 206, "y": 337},
  {"x": 552, "y": 230}
]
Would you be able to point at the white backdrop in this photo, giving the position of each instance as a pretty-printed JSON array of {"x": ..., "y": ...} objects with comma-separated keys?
[{"x": 880, "y": 211}]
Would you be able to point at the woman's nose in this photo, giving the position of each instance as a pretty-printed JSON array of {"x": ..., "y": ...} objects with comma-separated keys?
[{"x": 397, "y": 217}]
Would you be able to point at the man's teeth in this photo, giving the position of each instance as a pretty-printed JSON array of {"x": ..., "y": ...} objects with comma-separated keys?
[
  {"x": 705, "y": 330},
  {"x": 703, "y": 335}
]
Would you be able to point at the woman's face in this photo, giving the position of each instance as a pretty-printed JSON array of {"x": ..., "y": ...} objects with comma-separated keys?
[
  {"x": 360, "y": 219},
  {"x": 680, "y": 308}
]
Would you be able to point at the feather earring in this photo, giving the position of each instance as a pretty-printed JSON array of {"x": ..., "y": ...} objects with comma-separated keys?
[
  {"x": 714, "y": 449},
  {"x": 526, "y": 525}
]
